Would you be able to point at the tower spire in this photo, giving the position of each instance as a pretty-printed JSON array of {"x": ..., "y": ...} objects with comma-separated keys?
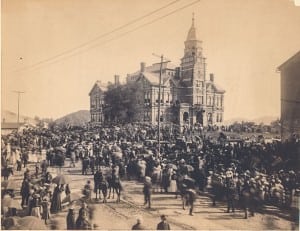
[
  {"x": 192, "y": 31},
  {"x": 193, "y": 20}
]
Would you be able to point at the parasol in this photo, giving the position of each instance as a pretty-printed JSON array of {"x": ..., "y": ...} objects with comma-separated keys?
[
  {"x": 9, "y": 222},
  {"x": 61, "y": 179}
]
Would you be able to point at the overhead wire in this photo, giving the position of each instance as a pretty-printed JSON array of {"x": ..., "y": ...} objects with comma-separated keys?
[
  {"x": 72, "y": 52},
  {"x": 86, "y": 44}
]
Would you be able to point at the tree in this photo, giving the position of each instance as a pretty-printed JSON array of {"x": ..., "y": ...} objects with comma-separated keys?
[{"x": 123, "y": 103}]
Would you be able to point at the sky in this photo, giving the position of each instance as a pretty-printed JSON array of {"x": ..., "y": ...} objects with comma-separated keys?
[{"x": 55, "y": 50}]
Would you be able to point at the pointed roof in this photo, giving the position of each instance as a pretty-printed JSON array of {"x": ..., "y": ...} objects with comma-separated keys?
[
  {"x": 295, "y": 59},
  {"x": 216, "y": 87},
  {"x": 99, "y": 85},
  {"x": 192, "y": 31}
]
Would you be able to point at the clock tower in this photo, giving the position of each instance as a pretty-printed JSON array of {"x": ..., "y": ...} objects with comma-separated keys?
[{"x": 193, "y": 69}]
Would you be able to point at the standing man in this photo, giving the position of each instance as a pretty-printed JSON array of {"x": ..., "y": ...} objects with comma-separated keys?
[
  {"x": 163, "y": 225},
  {"x": 230, "y": 188},
  {"x": 147, "y": 190}
]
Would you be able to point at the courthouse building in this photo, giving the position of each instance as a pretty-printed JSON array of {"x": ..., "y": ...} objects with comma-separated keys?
[
  {"x": 290, "y": 96},
  {"x": 188, "y": 95}
]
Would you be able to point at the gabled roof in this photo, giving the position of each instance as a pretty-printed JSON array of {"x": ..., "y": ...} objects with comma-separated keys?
[
  {"x": 100, "y": 85},
  {"x": 216, "y": 87},
  {"x": 153, "y": 78},
  {"x": 295, "y": 59}
]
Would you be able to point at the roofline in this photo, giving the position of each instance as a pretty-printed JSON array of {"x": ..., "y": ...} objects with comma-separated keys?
[{"x": 287, "y": 61}]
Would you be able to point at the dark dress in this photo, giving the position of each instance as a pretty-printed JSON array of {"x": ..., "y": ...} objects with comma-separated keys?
[
  {"x": 56, "y": 201},
  {"x": 71, "y": 220},
  {"x": 82, "y": 223}
]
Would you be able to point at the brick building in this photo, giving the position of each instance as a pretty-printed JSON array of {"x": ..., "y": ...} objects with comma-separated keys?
[
  {"x": 290, "y": 96},
  {"x": 187, "y": 95}
]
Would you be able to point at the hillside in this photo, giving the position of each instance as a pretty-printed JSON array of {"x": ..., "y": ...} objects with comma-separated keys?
[
  {"x": 78, "y": 118},
  {"x": 11, "y": 117}
]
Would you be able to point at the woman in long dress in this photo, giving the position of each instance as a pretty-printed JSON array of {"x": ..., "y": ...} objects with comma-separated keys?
[{"x": 56, "y": 200}]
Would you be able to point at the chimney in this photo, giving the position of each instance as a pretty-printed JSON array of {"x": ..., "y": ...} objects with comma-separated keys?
[
  {"x": 211, "y": 77},
  {"x": 117, "y": 80},
  {"x": 143, "y": 65},
  {"x": 178, "y": 72}
]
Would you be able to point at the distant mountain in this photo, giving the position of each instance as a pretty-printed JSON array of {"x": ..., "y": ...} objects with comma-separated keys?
[
  {"x": 78, "y": 118},
  {"x": 11, "y": 117},
  {"x": 265, "y": 120}
]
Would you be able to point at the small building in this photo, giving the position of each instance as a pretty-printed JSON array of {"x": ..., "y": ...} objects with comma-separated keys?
[
  {"x": 9, "y": 127},
  {"x": 290, "y": 96}
]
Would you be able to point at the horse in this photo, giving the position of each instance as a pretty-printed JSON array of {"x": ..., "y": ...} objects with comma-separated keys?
[
  {"x": 115, "y": 185},
  {"x": 6, "y": 172},
  {"x": 184, "y": 185},
  {"x": 249, "y": 199},
  {"x": 218, "y": 188},
  {"x": 101, "y": 187}
]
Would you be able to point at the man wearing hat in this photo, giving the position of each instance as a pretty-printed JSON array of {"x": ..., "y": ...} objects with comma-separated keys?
[
  {"x": 147, "y": 190},
  {"x": 230, "y": 188},
  {"x": 163, "y": 225}
]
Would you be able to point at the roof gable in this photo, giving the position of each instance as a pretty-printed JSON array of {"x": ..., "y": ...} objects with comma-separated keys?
[
  {"x": 295, "y": 59},
  {"x": 214, "y": 87},
  {"x": 98, "y": 86}
]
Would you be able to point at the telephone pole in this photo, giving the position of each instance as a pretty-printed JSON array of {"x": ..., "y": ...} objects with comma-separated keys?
[
  {"x": 19, "y": 93},
  {"x": 159, "y": 95}
]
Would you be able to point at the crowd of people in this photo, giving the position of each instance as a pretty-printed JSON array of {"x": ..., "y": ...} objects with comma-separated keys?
[{"x": 250, "y": 172}]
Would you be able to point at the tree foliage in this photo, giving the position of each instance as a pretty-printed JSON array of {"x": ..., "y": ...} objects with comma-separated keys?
[{"x": 123, "y": 102}]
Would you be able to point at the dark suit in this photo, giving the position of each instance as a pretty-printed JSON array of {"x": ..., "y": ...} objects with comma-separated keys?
[{"x": 163, "y": 225}]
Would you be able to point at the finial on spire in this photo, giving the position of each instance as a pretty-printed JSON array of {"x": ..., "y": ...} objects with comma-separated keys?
[{"x": 193, "y": 19}]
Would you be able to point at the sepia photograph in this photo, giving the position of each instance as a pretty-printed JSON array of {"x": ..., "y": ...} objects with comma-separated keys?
[{"x": 150, "y": 114}]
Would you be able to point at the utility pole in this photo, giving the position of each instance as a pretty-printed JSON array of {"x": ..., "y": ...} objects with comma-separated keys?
[
  {"x": 19, "y": 93},
  {"x": 159, "y": 98}
]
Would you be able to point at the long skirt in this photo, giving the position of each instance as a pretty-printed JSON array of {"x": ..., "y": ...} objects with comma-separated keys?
[
  {"x": 173, "y": 187},
  {"x": 36, "y": 212}
]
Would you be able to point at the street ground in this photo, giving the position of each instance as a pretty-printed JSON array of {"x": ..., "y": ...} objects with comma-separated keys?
[{"x": 123, "y": 215}]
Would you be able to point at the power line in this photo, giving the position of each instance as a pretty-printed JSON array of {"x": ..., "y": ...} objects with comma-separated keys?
[
  {"x": 98, "y": 37},
  {"x": 36, "y": 66},
  {"x": 19, "y": 93}
]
